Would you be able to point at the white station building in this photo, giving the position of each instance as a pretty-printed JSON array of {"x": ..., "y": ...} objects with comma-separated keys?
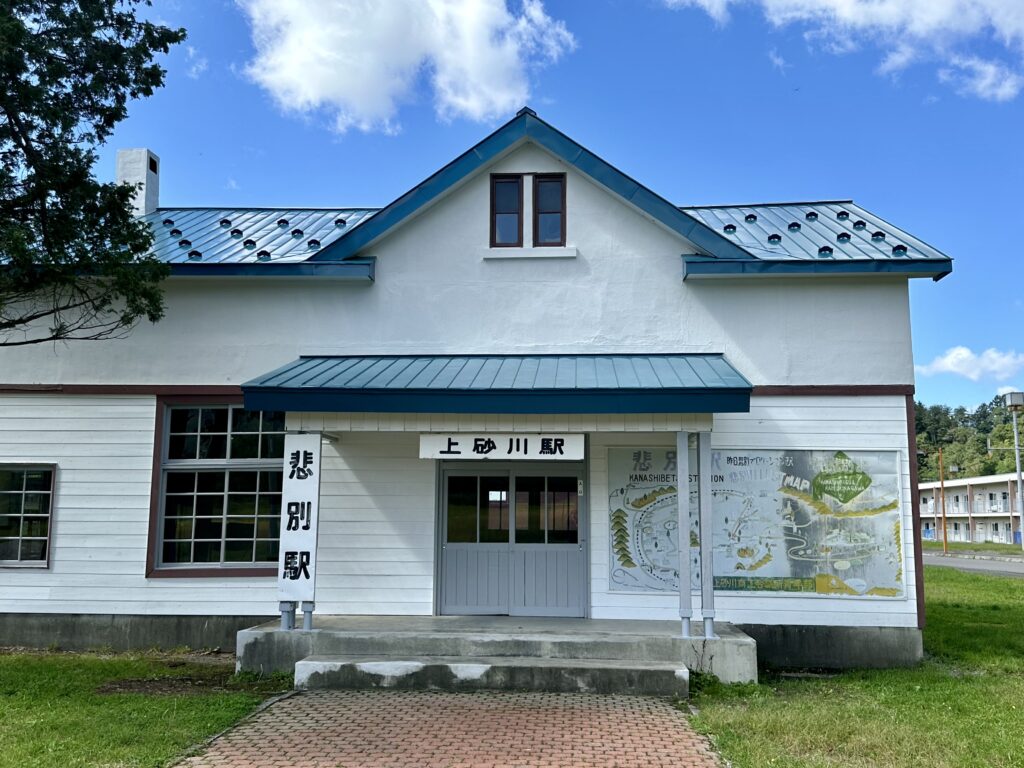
[{"x": 491, "y": 388}]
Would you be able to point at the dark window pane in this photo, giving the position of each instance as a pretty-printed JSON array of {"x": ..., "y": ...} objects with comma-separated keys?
[
  {"x": 506, "y": 196},
  {"x": 9, "y": 525},
  {"x": 10, "y": 504},
  {"x": 181, "y": 482},
  {"x": 209, "y": 527},
  {"x": 268, "y": 527},
  {"x": 529, "y": 510},
  {"x": 238, "y": 551},
  {"x": 549, "y": 195},
  {"x": 245, "y": 446},
  {"x": 36, "y": 504},
  {"x": 177, "y": 552},
  {"x": 178, "y": 506},
  {"x": 269, "y": 506},
  {"x": 209, "y": 505},
  {"x": 206, "y": 552},
  {"x": 34, "y": 549},
  {"x": 241, "y": 505},
  {"x": 273, "y": 421},
  {"x": 242, "y": 481},
  {"x": 214, "y": 420},
  {"x": 240, "y": 528},
  {"x": 11, "y": 479},
  {"x": 178, "y": 528},
  {"x": 184, "y": 420},
  {"x": 213, "y": 447},
  {"x": 35, "y": 526},
  {"x": 245, "y": 421},
  {"x": 38, "y": 480},
  {"x": 182, "y": 447},
  {"x": 211, "y": 482},
  {"x": 506, "y": 228},
  {"x": 271, "y": 481},
  {"x": 8, "y": 549},
  {"x": 272, "y": 446},
  {"x": 563, "y": 510},
  {"x": 266, "y": 551},
  {"x": 549, "y": 228},
  {"x": 461, "y": 509},
  {"x": 493, "y": 509}
]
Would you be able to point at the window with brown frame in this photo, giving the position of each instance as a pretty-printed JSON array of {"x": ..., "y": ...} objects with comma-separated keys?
[
  {"x": 549, "y": 209},
  {"x": 506, "y": 211},
  {"x": 26, "y": 512}
]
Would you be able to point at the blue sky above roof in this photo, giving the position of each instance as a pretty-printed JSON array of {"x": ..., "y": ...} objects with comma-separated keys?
[{"x": 701, "y": 110}]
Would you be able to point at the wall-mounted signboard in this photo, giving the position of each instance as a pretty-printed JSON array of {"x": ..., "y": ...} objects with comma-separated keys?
[
  {"x": 502, "y": 447},
  {"x": 824, "y": 522}
]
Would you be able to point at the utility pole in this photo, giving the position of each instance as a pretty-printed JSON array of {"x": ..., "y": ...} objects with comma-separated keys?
[
  {"x": 1015, "y": 401},
  {"x": 942, "y": 497}
]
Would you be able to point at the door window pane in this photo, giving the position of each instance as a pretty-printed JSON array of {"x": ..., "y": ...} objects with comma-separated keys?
[
  {"x": 562, "y": 502},
  {"x": 529, "y": 510},
  {"x": 461, "y": 509},
  {"x": 493, "y": 509}
]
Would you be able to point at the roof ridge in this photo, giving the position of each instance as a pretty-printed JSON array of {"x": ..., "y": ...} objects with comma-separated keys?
[
  {"x": 264, "y": 208},
  {"x": 764, "y": 205}
]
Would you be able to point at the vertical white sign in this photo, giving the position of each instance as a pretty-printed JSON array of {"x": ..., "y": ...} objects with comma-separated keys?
[{"x": 300, "y": 507}]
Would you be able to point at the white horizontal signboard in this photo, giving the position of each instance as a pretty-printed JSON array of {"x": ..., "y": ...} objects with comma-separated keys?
[
  {"x": 497, "y": 447},
  {"x": 300, "y": 506}
]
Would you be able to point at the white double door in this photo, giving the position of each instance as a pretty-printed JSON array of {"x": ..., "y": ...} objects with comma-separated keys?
[{"x": 512, "y": 541}]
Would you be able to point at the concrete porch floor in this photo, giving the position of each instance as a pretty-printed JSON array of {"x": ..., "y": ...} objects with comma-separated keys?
[{"x": 538, "y": 653}]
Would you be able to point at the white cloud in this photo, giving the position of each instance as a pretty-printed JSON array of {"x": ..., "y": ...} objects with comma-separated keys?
[
  {"x": 962, "y": 361},
  {"x": 357, "y": 61},
  {"x": 1006, "y": 390},
  {"x": 906, "y": 32},
  {"x": 197, "y": 64},
  {"x": 989, "y": 80},
  {"x": 777, "y": 61},
  {"x": 231, "y": 184}
]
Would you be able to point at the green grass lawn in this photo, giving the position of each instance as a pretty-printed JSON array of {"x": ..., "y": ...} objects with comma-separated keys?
[
  {"x": 989, "y": 547},
  {"x": 964, "y": 706},
  {"x": 71, "y": 710}
]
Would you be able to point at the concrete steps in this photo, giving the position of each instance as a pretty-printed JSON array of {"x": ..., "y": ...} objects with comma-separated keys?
[{"x": 465, "y": 673}]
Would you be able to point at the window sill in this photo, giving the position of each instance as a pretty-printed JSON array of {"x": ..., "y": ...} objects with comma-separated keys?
[
  {"x": 209, "y": 573},
  {"x": 539, "y": 252}
]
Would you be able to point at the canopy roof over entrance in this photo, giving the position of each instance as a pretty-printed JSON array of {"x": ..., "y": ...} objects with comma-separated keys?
[{"x": 700, "y": 383}]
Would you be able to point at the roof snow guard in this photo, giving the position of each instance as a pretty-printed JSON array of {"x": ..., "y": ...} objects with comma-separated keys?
[
  {"x": 819, "y": 238},
  {"x": 513, "y": 384}
]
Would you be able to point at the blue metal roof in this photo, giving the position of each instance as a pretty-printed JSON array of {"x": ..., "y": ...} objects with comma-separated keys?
[
  {"x": 249, "y": 235},
  {"x": 703, "y": 383},
  {"x": 836, "y": 237}
]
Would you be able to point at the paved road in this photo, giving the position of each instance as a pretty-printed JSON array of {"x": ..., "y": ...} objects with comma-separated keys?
[
  {"x": 404, "y": 729},
  {"x": 997, "y": 567}
]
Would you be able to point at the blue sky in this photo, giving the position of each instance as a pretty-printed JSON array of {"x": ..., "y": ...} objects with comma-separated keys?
[{"x": 913, "y": 108}]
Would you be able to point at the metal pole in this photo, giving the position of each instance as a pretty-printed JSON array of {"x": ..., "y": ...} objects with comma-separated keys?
[
  {"x": 307, "y": 615},
  {"x": 942, "y": 492},
  {"x": 707, "y": 579},
  {"x": 1020, "y": 485},
  {"x": 683, "y": 500}
]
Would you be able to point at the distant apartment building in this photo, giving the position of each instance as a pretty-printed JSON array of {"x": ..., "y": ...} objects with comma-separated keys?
[{"x": 977, "y": 509}]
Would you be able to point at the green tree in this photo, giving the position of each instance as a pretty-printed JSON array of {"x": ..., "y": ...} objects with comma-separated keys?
[{"x": 74, "y": 261}]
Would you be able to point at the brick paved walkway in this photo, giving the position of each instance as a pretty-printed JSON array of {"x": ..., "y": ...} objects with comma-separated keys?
[{"x": 364, "y": 729}]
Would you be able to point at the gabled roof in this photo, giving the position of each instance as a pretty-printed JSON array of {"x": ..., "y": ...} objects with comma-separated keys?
[
  {"x": 527, "y": 126},
  {"x": 831, "y": 236}
]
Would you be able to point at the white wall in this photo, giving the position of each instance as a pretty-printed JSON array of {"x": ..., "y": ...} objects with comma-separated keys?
[
  {"x": 435, "y": 293},
  {"x": 103, "y": 447},
  {"x": 833, "y": 423}
]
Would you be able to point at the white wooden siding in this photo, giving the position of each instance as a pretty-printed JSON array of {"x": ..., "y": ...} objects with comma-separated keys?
[
  {"x": 848, "y": 423},
  {"x": 103, "y": 449}
]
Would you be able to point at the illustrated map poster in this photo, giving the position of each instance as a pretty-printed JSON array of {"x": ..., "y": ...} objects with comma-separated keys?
[{"x": 821, "y": 522}]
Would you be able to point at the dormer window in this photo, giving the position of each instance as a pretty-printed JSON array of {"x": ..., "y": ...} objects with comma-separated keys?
[
  {"x": 549, "y": 209},
  {"x": 506, "y": 211}
]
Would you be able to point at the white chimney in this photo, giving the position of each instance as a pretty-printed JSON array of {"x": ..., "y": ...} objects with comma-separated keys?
[{"x": 141, "y": 168}]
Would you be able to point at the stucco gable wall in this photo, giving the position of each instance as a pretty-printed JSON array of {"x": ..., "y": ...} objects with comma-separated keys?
[{"x": 436, "y": 292}]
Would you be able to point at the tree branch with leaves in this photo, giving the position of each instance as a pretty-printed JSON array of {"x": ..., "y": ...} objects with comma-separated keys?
[{"x": 75, "y": 262}]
